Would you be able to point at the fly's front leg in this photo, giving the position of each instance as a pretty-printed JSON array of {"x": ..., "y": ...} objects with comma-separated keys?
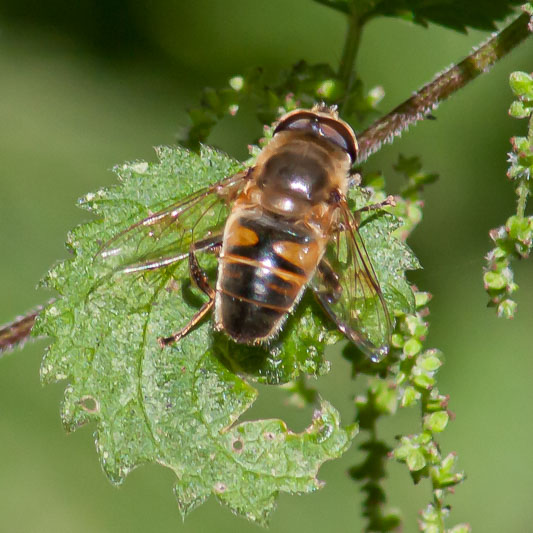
[
  {"x": 389, "y": 201},
  {"x": 355, "y": 180},
  {"x": 200, "y": 279}
]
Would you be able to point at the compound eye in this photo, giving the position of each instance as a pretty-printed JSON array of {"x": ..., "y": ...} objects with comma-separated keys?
[
  {"x": 300, "y": 120},
  {"x": 300, "y": 124},
  {"x": 333, "y": 130},
  {"x": 334, "y": 136}
]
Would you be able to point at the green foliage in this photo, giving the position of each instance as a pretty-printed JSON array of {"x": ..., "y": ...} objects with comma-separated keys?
[
  {"x": 514, "y": 239},
  {"x": 454, "y": 14},
  {"x": 408, "y": 378},
  {"x": 179, "y": 406},
  {"x": 302, "y": 85}
]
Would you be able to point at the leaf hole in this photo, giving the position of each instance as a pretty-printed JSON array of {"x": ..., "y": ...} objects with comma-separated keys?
[
  {"x": 219, "y": 487},
  {"x": 269, "y": 435},
  {"x": 237, "y": 445},
  {"x": 90, "y": 404}
]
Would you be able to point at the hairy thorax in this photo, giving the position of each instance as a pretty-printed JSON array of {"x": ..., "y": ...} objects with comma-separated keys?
[{"x": 297, "y": 172}]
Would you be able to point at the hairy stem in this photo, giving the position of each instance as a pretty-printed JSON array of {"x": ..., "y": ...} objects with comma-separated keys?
[
  {"x": 438, "y": 495},
  {"x": 371, "y": 472},
  {"x": 451, "y": 80},
  {"x": 523, "y": 192},
  {"x": 523, "y": 189}
]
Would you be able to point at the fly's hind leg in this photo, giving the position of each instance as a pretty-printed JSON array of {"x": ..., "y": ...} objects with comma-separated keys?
[
  {"x": 200, "y": 279},
  {"x": 328, "y": 292},
  {"x": 332, "y": 290}
]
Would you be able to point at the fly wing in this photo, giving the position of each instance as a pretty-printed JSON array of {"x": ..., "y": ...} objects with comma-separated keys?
[
  {"x": 165, "y": 237},
  {"x": 350, "y": 291}
]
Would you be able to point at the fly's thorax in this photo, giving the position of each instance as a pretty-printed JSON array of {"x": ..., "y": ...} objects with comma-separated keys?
[{"x": 296, "y": 172}]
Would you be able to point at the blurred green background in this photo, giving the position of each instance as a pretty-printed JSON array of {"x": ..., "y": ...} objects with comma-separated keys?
[{"x": 85, "y": 86}]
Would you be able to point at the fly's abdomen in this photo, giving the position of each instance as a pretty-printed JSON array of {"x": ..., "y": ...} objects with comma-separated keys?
[{"x": 265, "y": 265}]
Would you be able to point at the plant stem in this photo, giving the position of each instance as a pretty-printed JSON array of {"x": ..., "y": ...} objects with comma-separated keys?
[
  {"x": 438, "y": 497},
  {"x": 346, "y": 71},
  {"x": 437, "y": 502},
  {"x": 523, "y": 189},
  {"x": 523, "y": 193}
]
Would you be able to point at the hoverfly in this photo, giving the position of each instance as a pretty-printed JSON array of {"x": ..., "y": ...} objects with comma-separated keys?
[{"x": 279, "y": 226}]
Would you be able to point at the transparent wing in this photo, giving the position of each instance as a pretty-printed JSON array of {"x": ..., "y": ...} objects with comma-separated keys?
[
  {"x": 165, "y": 237},
  {"x": 347, "y": 287}
]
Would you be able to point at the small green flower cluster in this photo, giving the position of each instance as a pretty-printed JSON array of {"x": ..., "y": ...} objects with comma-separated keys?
[
  {"x": 415, "y": 382},
  {"x": 406, "y": 377},
  {"x": 514, "y": 239},
  {"x": 305, "y": 84}
]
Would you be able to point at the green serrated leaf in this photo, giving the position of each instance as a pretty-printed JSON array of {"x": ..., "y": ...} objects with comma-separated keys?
[
  {"x": 177, "y": 406},
  {"x": 384, "y": 248},
  {"x": 454, "y": 14}
]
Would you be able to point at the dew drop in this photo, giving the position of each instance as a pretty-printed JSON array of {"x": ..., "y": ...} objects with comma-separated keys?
[{"x": 379, "y": 354}]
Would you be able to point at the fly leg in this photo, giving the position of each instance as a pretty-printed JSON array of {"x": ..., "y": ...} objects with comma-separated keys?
[
  {"x": 200, "y": 279},
  {"x": 332, "y": 290},
  {"x": 373, "y": 207},
  {"x": 355, "y": 181},
  {"x": 328, "y": 292}
]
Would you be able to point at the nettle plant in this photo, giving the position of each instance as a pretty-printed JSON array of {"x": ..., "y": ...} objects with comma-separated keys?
[{"x": 180, "y": 405}]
